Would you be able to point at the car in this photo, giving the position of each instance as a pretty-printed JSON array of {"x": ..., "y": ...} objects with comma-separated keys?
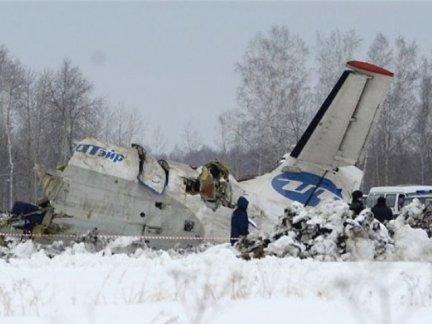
[{"x": 399, "y": 196}]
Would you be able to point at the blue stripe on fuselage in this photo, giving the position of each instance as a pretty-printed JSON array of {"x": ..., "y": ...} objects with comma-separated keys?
[{"x": 308, "y": 182}]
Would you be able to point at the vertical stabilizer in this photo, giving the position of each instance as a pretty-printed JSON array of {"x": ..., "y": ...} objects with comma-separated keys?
[{"x": 338, "y": 134}]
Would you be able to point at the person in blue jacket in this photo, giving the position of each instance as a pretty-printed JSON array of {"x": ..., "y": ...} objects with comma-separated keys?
[{"x": 239, "y": 220}]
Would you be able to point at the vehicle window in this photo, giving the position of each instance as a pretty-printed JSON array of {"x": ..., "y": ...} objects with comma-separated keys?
[
  {"x": 371, "y": 200},
  {"x": 408, "y": 201},
  {"x": 391, "y": 200},
  {"x": 426, "y": 200},
  {"x": 421, "y": 199}
]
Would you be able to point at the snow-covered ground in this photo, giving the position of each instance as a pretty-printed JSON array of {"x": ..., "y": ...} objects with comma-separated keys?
[
  {"x": 213, "y": 286},
  {"x": 50, "y": 284}
]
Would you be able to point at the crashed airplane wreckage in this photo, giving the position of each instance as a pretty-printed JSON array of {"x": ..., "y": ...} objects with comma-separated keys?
[{"x": 125, "y": 191}]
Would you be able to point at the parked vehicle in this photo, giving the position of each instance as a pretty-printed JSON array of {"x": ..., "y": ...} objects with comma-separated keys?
[{"x": 399, "y": 196}]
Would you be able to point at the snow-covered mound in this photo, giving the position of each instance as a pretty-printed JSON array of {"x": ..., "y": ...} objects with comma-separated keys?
[
  {"x": 330, "y": 233},
  {"x": 417, "y": 215},
  {"x": 212, "y": 286}
]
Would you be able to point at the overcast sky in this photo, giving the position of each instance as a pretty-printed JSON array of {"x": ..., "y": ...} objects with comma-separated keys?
[{"x": 174, "y": 62}]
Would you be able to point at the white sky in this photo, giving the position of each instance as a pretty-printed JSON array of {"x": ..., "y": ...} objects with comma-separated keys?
[{"x": 174, "y": 62}]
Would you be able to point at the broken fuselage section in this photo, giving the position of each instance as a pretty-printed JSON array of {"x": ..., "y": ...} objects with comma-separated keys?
[
  {"x": 212, "y": 185},
  {"x": 125, "y": 191}
]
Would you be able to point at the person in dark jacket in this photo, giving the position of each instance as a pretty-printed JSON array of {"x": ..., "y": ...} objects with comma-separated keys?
[
  {"x": 356, "y": 204},
  {"x": 401, "y": 201},
  {"x": 239, "y": 220},
  {"x": 381, "y": 211}
]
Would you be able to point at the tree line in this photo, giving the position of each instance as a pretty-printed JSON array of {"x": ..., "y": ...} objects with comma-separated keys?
[
  {"x": 283, "y": 81},
  {"x": 43, "y": 113}
]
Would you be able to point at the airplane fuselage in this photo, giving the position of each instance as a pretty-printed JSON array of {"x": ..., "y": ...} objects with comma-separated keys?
[{"x": 124, "y": 191}]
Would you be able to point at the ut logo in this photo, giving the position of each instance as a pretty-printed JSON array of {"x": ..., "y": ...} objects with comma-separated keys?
[{"x": 302, "y": 187}]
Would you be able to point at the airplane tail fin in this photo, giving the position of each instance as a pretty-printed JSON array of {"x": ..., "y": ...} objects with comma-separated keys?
[{"x": 339, "y": 132}]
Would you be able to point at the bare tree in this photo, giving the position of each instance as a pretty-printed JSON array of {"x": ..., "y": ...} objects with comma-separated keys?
[
  {"x": 11, "y": 75},
  {"x": 41, "y": 114},
  {"x": 235, "y": 150},
  {"x": 43, "y": 131},
  {"x": 191, "y": 139},
  {"x": 76, "y": 111},
  {"x": 7, "y": 112},
  {"x": 333, "y": 51},
  {"x": 392, "y": 148},
  {"x": 272, "y": 95},
  {"x": 381, "y": 53},
  {"x": 122, "y": 126},
  {"x": 25, "y": 136},
  {"x": 396, "y": 122},
  {"x": 424, "y": 118},
  {"x": 158, "y": 142}
]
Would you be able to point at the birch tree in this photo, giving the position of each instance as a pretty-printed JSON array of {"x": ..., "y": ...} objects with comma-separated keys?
[
  {"x": 392, "y": 147},
  {"x": 158, "y": 142},
  {"x": 76, "y": 111},
  {"x": 332, "y": 53},
  {"x": 380, "y": 53},
  {"x": 272, "y": 96},
  {"x": 11, "y": 75},
  {"x": 191, "y": 138},
  {"x": 122, "y": 126},
  {"x": 424, "y": 119},
  {"x": 398, "y": 113}
]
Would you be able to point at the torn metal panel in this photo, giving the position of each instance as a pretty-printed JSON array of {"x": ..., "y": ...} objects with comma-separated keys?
[{"x": 125, "y": 191}]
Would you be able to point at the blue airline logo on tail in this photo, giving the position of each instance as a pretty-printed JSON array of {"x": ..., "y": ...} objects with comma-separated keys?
[{"x": 300, "y": 186}]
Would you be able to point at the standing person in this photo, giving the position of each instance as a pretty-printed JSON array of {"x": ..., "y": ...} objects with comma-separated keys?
[
  {"x": 381, "y": 211},
  {"x": 239, "y": 220},
  {"x": 356, "y": 204},
  {"x": 401, "y": 201}
]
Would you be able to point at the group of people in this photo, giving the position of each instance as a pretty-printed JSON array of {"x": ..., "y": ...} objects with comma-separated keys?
[
  {"x": 381, "y": 211},
  {"x": 240, "y": 220}
]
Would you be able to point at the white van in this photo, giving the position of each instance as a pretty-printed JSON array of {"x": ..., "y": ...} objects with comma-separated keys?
[{"x": 396, "y": 193}]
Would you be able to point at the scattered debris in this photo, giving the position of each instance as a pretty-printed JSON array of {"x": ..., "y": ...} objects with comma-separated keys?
[
  {"x": 417, "y": 215},
  {"x": 330, "y": 233},
  {"x": 212, "y": 184},
  {"x": 327, "y": 233}
]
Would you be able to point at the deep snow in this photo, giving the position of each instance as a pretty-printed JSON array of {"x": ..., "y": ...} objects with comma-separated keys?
[{"x": 215, "y": 285}]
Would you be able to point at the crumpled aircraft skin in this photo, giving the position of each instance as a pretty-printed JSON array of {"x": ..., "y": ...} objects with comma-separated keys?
[{"x": 125, "y": 191}]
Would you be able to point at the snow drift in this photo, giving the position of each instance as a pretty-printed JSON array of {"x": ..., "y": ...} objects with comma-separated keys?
[{"x": 212, "y": 286}]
